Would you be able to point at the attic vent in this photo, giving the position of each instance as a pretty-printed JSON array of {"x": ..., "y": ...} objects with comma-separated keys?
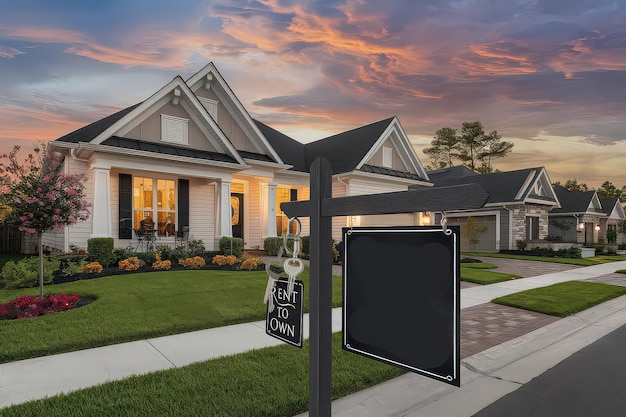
[
  {"x": 387, "y": 157},
  {"x": 210, "y": 106},
  {"x": 174, "y": 129}
]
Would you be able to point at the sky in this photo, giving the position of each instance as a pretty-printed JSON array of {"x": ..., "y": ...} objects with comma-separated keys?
[{"x": 548, "y": 75}]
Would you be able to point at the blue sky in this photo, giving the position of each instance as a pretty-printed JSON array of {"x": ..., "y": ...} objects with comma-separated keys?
[{"x": 549, "y": 75}]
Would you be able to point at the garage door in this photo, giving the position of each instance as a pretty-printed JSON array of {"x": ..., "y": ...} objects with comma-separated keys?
[{"x": 487, "y": 240}]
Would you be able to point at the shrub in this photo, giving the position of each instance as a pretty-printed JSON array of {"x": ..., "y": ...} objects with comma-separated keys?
[
  {"x": 72, "y": 268},
  {"x": 131, "y": 264},
  {"x": 165, "y": 253},
  {"x": 231, "y": 246},
  {"x": 621, "y": 246},
  {"x": 611, "y": 235},
  {"x": 306, "y": 245},
  {"x": 123, "y": 253},
  {"x": 272, "y": 245},
  {"x": 223, "y": 260},
  {"x": 25, "y": 273},
  {"x": 521, "y": 245},
  {"x": 196, "y": 262},
  {"x": 26, "y": 306},
  {"x": 251, "y": 264},
  {"x": 92, "y": 268},
  {"x": 100, "y": 249},
  {"x": 196, "y": 247},
  {"x": 147, "y": 257}
]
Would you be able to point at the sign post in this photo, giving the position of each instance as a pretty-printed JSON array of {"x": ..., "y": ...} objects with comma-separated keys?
[{"x": 321, "y": 208}]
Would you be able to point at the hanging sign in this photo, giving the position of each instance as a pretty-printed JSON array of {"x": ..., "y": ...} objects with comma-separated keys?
[
  {"x": 401, "y": 297},
  {"x": 284, "y": 312}
]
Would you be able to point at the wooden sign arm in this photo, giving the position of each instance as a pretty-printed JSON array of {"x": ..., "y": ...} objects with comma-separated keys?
[{"x": 441, "y": 199}]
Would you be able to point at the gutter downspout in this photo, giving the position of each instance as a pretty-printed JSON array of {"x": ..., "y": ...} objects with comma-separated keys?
[{"x": 348, "y": 222}]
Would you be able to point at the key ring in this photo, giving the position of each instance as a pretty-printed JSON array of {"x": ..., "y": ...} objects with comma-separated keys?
[{"x": 297, "y": 240}]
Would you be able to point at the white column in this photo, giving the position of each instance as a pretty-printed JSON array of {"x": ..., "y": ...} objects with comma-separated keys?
[
  {"x": 225, "y": 215},
  {"x": 101, "y": 210},
  {"x": 271, "y": 209}
]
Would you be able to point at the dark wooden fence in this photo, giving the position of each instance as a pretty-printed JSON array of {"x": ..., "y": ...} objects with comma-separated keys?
[{"x": 10, "y": 240}]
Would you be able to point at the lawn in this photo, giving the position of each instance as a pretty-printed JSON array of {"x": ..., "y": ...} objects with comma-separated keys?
[
  {"x": 138, "y": 306},
  {"x": 563, "y": 299},
  {"x": 266, "y": 382},
  {"x": 479, "y": 273},
  {"x": 571, "y": 261}
]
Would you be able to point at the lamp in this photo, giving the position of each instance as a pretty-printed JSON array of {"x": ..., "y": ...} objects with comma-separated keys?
[
  {"x": 581, "y": 226},
  {"x": 425, "y": 218},
  {"x": 597, "y": 227}
]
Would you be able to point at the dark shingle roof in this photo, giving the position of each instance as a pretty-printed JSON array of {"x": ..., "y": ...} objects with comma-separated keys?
[
  {"x": 290, "y": 151},
  {"x": 572, "y": 201},
  {"x": 140, "y": 145},
  {"x": 390, "y": 172},
  {"x": 255, "y": 156},
  {"x": 345, "y": 150},
  {"x": 501, "y": 186},
  {"x": 449, "y": 173},
  {"x": 608, "y": 204},
  {"x": 91, "y": 131}
]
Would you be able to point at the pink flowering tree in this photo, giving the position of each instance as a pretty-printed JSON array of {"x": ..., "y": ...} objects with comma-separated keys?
[{"x": 41, "y": 198}]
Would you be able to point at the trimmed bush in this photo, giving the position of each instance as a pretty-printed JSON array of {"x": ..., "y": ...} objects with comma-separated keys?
[
  {"x": 100, "y": 249},
  {"x": 231, "y": 246},
  {"x": 25, "y": 272}
]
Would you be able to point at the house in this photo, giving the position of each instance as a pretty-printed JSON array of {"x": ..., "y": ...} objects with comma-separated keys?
[
  {"x": 516, "y": 210},
  {"x": 190, "y": 157},
  {"x": 583, "y": 217}
]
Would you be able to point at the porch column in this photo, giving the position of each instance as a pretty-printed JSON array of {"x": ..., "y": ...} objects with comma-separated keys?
[
  {"x": 101, "y": 210},
  {"x": 271, "y": 209},
  {"x": 225, "y": 215}
]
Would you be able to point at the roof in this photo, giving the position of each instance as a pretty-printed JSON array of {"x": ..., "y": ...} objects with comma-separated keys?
[
  {"x": 390, "y": 172},
  {"x": 502, "y": 186},
  {"x": 290, "y": 150},
  {"x": 167, "y": 149},
  {"x": 449, "y": 173},
  {"x": 346, "y": 150},
  {"x": 608, "y": 204},
  {"x": 572, "y": 201},
  {"x": 91, "y": 131}
]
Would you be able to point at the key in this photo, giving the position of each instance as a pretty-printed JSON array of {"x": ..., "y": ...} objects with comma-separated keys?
[{"x": 293, "y": 267}]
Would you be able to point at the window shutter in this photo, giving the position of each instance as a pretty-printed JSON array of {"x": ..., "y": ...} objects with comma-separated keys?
[
  {"x": 183, "y": 204},
  {"x": 126, "y": 206}
]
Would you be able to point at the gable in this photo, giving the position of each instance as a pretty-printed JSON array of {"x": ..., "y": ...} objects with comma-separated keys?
[
  {"x": 232, "y": 117},
  {"x": 387, "y": 156}
]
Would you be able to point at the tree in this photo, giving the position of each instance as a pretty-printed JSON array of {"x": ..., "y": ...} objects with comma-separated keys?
[
  {"x": 562, "y": 225},
  {"x": 573, "y": 185},
  {"x": 41, "y": 197},
  {"x": 444, "y": 148},
  {"x": 474, "y": 230},
  {"x": 472, "y": 147},
  {"x": 608, "y": 190}
]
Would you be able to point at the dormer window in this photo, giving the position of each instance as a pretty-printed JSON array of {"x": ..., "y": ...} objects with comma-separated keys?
[
  {"x": 174, "y": 129},
  {"x": 387, "y": 157}
]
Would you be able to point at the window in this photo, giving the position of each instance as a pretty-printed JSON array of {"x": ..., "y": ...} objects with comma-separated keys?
[
  {"x": 387, "y": 157},
  {"x": 284, "y": 195},
  {"x": 210, "y": 106},
  {"x": 148, "y": 205},
  {"x": 532, "y": 228},
  {"x": 174, "y": 129}
]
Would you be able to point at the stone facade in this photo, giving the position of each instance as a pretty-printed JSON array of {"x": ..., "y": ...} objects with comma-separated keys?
[{"x": 520, "y": 213}]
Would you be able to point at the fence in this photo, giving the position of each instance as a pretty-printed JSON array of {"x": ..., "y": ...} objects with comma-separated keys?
[{"x": 10, "y": 240}]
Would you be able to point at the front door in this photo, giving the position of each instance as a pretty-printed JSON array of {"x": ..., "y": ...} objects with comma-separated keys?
[{"x": 236, "y": 205}]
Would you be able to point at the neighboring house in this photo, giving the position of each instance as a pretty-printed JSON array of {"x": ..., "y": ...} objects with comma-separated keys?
[
  {"x": 587, "y": 216},
  {"x": 190, "y": 157},
  {"x": 516, "y": 210}
]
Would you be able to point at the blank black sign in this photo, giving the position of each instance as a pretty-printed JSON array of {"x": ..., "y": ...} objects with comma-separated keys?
[{"x": 401, "y": 297}]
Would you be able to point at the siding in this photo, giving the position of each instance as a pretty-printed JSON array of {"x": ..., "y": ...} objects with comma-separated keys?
[
  {"x": 202, "y": 213},
  {"x": 377, "y": 158},
  {"x": 252, "y": 214}
]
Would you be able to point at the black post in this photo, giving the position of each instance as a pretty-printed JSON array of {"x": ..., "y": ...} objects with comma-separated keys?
[{"x": 320, "y": 300}]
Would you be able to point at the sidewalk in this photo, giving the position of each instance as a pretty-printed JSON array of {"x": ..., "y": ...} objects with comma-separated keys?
[{"x": 495, "y": 371}]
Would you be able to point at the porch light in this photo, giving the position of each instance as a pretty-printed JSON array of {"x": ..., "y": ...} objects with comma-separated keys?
[
  {"x": 426, "y": 218},
  {"x": 581, "y": 226},
  {"x": 597, "y": 227}
]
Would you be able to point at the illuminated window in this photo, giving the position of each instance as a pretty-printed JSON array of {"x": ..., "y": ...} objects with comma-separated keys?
[
  {"x": 148, "y": 205},
  {"x": 284, "y": 195}
]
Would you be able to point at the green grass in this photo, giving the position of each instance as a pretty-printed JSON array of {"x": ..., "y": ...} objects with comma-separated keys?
[
  {"x": 569, "y": 261},
  {"x": 476, "y": 273},
  {"x": 138, "y": 306},
  {"x": 266, "y": 382},
  {"x": 563, "y": 299},
  {"x": 621, "y": 271}
]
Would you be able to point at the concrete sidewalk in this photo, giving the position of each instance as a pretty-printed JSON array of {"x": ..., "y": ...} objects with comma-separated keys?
[{"x": 27, "y": 380}]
